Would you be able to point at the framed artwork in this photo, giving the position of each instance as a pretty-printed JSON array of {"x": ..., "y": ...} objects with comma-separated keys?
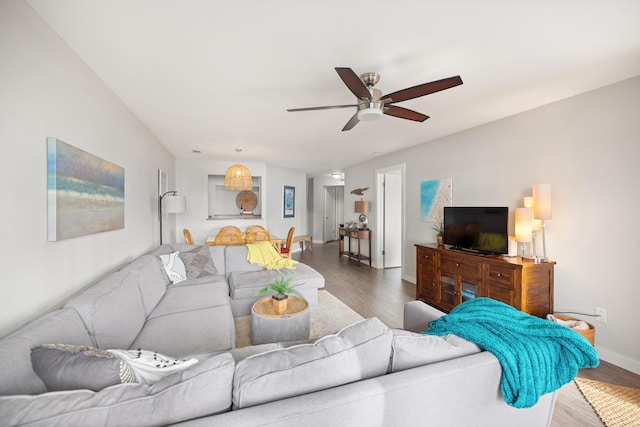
[
  {"x": 434, "y": 196},
  {"x": 85, "y": 194},
  {"x": 289, "y": 204}
]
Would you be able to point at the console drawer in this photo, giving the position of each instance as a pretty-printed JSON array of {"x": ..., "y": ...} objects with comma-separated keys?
[
  {"x": 501, "y": 275},
  {"x": 450, "y": 265}
]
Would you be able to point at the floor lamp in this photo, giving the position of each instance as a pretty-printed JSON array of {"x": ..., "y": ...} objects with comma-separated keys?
[{"x": 172, "y": 204}]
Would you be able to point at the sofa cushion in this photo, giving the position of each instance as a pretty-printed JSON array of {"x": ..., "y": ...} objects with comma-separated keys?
[
  {"x": 190, "y": 320},
  {"x": 198, "y": 262},
  {"x": 202, "y": 389},
  {"x": 16, "y": 373},
  {"x": 174, "y": 267},
  {"x": 152, "y": 280},
  {"x": 112, "y": 310},
  {"x": 244, "y": 284},
  {"x": 235, "y": 258},
  {"x": 409, "y": 349},
  {"x": 217, "y": 256},
  {"x": 70, "y": 367},
  {"x": 357, "y": 352}
]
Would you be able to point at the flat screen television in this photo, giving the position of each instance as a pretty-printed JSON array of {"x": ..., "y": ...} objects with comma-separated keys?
[{"x": 477, "y": 229}]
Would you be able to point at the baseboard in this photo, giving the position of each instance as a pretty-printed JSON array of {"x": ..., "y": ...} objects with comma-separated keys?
[{"x": 618, "y": 359}]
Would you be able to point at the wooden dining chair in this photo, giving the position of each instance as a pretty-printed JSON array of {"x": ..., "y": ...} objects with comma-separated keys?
[
  {"x": 228, "y": 238},
  {"x": 230, "y": 228},
  {"x": 254, "y": 228},
  {"x": 187, "y": 237},
  {"x": 256, "y": 236},
  {"x": 285, "y": 250}
]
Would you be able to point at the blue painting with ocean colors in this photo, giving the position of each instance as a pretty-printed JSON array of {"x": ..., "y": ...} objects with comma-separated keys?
[
  {"x": 434, "y": 196},
  {"x": 85, "y": 193}
]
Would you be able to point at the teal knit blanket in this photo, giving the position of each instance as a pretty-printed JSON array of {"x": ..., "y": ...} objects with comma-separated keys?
[{"x": 537, "y": 356}]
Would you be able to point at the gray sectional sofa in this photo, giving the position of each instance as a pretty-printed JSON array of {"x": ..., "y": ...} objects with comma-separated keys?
[{"x": 366, "y": 374}]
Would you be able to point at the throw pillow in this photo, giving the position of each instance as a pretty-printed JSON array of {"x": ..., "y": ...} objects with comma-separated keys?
[
  {"x": 151, "y": 366},
  {"x": 198, "y": 262},
  {"x": 69, "y": 367},
  {"x": 174, "y": 267}
]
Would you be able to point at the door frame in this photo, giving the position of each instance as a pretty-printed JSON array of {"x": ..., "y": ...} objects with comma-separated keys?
[{"x": 379, "y": 235}]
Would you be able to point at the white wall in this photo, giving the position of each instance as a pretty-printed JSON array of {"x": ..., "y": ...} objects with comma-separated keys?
[
  {"x": 47, "y": 91},
  {"x": 191, "y": 181},
  {"x": 586, "y": 147}
]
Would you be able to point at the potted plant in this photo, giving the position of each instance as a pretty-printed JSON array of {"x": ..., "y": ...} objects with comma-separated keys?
[
  {"x": 439, "y": 228},
  {"x": 281, "y": 289}
]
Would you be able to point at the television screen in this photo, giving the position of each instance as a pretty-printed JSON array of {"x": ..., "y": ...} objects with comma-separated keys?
[{"x": 481, "y": 229}]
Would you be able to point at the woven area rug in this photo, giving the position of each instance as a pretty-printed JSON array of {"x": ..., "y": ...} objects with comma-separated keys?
[
  {"x": 329, "y": 316},
  {"x": 616, "y": 406}
]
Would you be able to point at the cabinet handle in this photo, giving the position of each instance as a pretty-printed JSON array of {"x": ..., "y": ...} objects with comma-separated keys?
[
  {"x": 499, "y": 275},
  {"x": 433, "y": 284},
  {"x": 426, "y": 257},
  {"x": 457, "y": 264}
]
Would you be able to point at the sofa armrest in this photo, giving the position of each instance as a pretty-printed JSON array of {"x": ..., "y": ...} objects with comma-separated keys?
[{"x": 417, "y": 315}]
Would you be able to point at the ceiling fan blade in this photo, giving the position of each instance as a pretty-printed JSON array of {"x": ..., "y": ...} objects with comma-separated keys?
[
  {"x": 328, "y": 107},
  {"x": 404, "y": 113},
  {"x": 424, "y": 89},
  {"x": 353, "y": 82},
  {"x": 351, "y": 123}
]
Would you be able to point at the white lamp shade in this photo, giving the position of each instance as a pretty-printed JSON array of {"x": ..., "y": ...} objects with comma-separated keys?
[
  {"x": 174, "y": 203},
  {"x": 523, "y": 225},
  {"x": 528, "y": 203},
  {"x": 542, "y": 201}
]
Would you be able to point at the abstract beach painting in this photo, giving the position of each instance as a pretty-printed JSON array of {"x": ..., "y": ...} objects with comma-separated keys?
[
  {"x": 85, "y": 193},
  {"x": 434, "y": 196}
]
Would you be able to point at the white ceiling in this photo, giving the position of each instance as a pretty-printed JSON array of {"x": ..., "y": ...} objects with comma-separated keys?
[{"x": 217, "y": 75}]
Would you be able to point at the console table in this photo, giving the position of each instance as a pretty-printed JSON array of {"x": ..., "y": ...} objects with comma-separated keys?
[
  {"x": 445, "y": 278},
  {"x": 357, "y": 234}
]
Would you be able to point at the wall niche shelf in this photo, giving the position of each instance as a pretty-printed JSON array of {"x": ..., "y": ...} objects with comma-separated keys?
[{"x": 222, "y": 203}]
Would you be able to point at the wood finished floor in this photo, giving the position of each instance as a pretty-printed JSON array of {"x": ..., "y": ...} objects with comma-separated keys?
[{"x": 382, "y": 293}]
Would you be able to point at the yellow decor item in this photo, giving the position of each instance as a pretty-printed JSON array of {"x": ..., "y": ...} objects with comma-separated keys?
[
  {"x": 265, "y": 254},
  {"x": 237, "y": 178}
]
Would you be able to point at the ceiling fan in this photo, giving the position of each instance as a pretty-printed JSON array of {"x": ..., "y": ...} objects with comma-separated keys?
[{"x": 372, "y": 104}]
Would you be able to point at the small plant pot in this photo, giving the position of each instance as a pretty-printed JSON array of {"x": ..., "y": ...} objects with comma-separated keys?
[
  {"x": 279, "y": 302},
  {"x": 440, "y": 240}
]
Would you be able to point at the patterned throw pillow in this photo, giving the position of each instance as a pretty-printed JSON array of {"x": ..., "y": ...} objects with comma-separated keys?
[
  {"x": 198, "y": 262},
  {"x": 151, "y": 366},
  {"x": 69, "y": 367},
  {"x": 174, "y": 267}
]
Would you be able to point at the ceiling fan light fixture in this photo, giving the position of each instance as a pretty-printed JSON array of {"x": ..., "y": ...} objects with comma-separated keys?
[{"x": 369, "y": 114}]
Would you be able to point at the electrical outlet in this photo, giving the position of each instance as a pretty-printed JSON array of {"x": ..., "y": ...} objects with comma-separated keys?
[{"x": 601, "y": 315}]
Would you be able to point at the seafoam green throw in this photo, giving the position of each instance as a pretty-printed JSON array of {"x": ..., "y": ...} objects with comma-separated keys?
[{"x": 537, "y": 356}]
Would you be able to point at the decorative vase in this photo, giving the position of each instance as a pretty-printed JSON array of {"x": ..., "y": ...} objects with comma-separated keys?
[
  {"x": 440, "y": 240},
  {"x": 279, "y": 302}
]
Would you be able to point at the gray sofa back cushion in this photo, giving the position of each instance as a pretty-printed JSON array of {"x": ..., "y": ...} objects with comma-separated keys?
[
  {"x": 359, "y": 351},
  {"x": 152, "y": 280},
  {"x": 244, "y": 284},
  {"x": 112, "y": 310},
  {"x": 410, "y": 349},
  {"x": 16, "y": 374},
  {"x": 235, "y": 258},
  {"x": 202, "y": 389}
]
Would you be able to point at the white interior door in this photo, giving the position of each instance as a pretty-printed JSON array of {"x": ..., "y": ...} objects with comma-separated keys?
[
  {"x": 392, "y": 211},
  {"x": 333, "y": 208}
]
